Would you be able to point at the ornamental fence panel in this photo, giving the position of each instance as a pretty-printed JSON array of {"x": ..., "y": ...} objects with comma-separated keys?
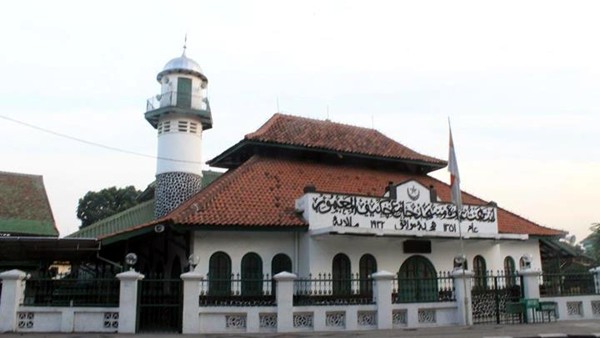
[
  {"x": 256, "y": 290},
  {"x": 66, "y": 291},
  {"x": 323, "y": 289},
  {"x": 567, "y": 284},
  {"x": 438, "y": 288},
  {"x": 491, "y": 291}
]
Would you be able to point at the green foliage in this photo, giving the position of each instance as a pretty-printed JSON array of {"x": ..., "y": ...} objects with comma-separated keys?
[
  {"x": 593, "y": 242},
  {"x": 97, "y": 205}
]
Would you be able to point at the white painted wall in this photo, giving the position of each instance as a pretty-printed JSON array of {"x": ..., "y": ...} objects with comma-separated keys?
[
  {"x": 582, "y": 307},
  {"x": 179, "y": 146},
  {"x": 68, "y": 319},
  {"x": 238, "y": 243},
  {"x": 388, "y": 251},
  {"x": 316, "y": 253}
]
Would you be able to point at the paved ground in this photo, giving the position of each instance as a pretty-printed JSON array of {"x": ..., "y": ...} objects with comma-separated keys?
[{"x": 577, "y": 329}]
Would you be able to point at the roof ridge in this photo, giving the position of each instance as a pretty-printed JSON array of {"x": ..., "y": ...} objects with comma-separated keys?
[
  {"x": 265, "y": 126},
  {"x": 19, "y": 174},
  {"x": 308, "y": 132},
  {"x": 278, "y": 116}
]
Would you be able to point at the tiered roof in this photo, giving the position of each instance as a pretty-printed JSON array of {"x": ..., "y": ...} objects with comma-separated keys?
[
  {"x": 315, "y": 138},
  {"x": 261, "y": 191}
]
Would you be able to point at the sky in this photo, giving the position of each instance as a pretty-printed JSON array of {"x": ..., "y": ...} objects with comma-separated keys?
[{"x": 519, "y": 81}]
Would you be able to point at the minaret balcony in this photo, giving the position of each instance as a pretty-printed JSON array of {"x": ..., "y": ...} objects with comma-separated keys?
[{"x": 180, "y": 103}]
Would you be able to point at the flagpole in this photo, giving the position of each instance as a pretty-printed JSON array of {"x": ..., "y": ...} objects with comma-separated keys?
[{"x": 457, "y": 201}]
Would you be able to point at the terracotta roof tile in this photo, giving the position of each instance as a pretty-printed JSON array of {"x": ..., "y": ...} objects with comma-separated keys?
[
  {"x": 311, "y": 133},
  {"x": 262, "y": 192},
  {"x": 24, "y": 206}
]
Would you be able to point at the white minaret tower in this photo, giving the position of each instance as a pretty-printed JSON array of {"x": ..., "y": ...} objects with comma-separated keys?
[{"x": 179, "y": 113}]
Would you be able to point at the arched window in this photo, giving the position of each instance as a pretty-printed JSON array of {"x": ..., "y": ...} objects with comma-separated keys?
[
  {"x": 509, "y": 271},
  {"x": 341, "y": 275},
  {"x": 252, "y": 275},
  {"x": 417, "y": 281},
  {"x": 281, "y": 262},
  {"x": 479, "y": 271},
  {"x": 219, "y": 274},
  {"x": 367, "y": 266}
]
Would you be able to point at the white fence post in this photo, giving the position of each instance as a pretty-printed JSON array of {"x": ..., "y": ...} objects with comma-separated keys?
[
  {"x": 462, "y": 288},
  {"x": 285, "y": 301},
  {"x": 191, "y": 292},
  {"x": 531, "y": 283},
  {"x": 13, "y": 288},
  {"x": 382, "y": 295},
  {"x": 128, "y": 300},
  {"x": 596, "y": 272}
]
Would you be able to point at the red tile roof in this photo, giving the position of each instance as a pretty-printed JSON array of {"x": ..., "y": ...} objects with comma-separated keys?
[
  {"x": 262, "y": 191},
  {"x": 311, "y": 133}
]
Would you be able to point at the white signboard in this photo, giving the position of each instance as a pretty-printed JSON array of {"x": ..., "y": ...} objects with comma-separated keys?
[{"x": 410, "y": 212}]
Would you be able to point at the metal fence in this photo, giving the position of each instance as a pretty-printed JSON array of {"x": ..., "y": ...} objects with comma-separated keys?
[
  {"x": 177, "y": 99},
  {"x": 439, "y": 288},
  {"x": 45, "y": 291},
  {"x": 567, "y": 284},
  {"x": 323, "y": 289},
  {"x": 490, "y": 294},
  {"x": 237, "y": 291}
]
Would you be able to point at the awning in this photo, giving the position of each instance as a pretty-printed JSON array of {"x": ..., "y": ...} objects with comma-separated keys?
[{"x": 18, "y": 249}]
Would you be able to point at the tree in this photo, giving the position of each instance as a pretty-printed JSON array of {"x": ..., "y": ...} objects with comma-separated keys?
[
  {"x": 592, "y": 242},
  {"x": 97, "y": 205}
]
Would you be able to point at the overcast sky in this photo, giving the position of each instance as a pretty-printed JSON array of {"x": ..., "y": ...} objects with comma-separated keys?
[{"x": 520, "y": 81}]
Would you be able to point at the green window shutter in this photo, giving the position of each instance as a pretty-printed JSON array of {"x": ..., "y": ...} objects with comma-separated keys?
[
  {"x": 367, "y": 266},
  {"x": 184, "y": 92},
  {"x": 417, "y": 281},
  {"x": 219, "y": 275},
  {"x": 341, "y": 275},
  {"x": 252, "y": 275}
]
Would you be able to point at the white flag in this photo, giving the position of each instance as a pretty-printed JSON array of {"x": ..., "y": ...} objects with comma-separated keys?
[{"x": 454, "y": 177}]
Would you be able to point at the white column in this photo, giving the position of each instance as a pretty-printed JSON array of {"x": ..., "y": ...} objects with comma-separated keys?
[
  {"x": 128, "y": 300},
  {"x": 191, "y": 291},
  {"x": 596, "y": 272},
  {"x": 531, "y": 283},
  {"x": 382, "y": 295},
  {"x": 13, "y": 288},
  {"x": 462, "y": 293},
  {"x": 285, "y": 301}
]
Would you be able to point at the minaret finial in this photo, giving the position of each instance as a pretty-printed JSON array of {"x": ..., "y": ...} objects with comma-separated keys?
[{"x": 184, "y": 44}]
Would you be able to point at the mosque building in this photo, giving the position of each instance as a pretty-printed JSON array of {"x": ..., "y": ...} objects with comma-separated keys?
[
  {"x": 315, "y": 198},
  {"x": 302, "y": 195}
]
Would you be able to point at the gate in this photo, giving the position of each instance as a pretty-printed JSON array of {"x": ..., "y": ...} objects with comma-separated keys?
[
  {"x": 160, "y": 305},
  {"x": 489, "y": 297}
]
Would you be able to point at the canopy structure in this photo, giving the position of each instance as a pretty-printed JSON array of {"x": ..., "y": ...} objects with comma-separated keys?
[{"x": 19, "y": 249}]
